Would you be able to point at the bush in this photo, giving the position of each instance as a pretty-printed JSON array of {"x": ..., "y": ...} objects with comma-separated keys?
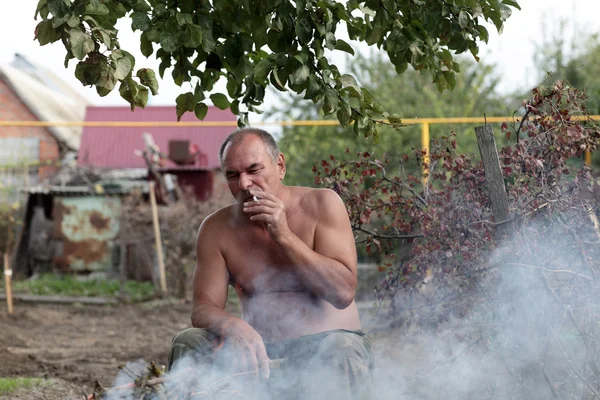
[{"x": 524, "y": 289}]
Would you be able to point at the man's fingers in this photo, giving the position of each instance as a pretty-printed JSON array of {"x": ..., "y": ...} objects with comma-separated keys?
[
  {"x": 263, "y": 361},
  {"x": 253, "y": 364}
]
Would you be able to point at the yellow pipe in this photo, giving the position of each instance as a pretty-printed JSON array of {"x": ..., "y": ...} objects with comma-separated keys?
[
  {"x": 126, "y": 124},
  {"x": 588, "y": 158},
  {"x": 425, "y": 146}
]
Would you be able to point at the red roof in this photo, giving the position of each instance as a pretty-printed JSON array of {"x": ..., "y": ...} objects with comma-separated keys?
[{"x": 113, "y": 147}]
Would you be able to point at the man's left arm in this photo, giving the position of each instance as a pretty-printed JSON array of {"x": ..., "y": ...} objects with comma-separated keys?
[{"x": 329, "y": 270}]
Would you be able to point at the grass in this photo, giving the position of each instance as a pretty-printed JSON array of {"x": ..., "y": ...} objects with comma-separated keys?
[
  {"x": 51, "y": 284},
  {"x": 9, "y": 385}
]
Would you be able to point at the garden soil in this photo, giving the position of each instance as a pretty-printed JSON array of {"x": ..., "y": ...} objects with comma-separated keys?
[{"x": 72, "y": 346}]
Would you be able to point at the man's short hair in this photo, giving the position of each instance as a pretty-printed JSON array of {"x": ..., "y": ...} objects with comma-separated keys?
[{"x": 237, "y": 135}]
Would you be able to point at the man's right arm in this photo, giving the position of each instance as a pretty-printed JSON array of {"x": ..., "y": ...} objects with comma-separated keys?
[
  {"x": 210, "y": 281},
  {"x": 210, "y": 284}
]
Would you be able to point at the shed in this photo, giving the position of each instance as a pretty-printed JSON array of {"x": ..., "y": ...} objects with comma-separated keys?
[{"x": 118, "y": 147}]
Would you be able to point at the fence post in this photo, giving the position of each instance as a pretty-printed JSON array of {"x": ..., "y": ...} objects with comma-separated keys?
[
  {"x": 425, "y": 146},
  {"x": 8, "y": 283},
  {"x": 157, "y": 239},
  {"x": 493, "y": 177}
]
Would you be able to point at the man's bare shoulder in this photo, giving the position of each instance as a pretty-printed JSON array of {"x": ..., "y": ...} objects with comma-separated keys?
[
  {"x": 216, "y": 221},
  {"x": 318, "y": 201}
]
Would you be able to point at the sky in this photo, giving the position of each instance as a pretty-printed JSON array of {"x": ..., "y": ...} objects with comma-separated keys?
[{"x": 511, "y": 51}]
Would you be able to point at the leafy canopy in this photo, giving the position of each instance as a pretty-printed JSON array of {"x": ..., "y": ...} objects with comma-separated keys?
[
  {"x": 411, "y": 95},
  {"x": 271, "y": 42}
]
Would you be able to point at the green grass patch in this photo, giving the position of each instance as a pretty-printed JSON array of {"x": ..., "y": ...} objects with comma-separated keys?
[
  {"x": 9, "y": 385},
  {"x": 56, "y": 285}
]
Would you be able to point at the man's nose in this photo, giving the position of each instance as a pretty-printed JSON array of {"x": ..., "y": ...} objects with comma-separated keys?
[{"x": 245, "y": 182}]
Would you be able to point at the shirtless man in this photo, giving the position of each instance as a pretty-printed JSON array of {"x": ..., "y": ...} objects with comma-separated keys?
[{"x": 289, "y": 253}]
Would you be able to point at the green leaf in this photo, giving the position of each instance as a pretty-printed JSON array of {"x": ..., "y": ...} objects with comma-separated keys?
[
  {"x": 394, "y": 119},
  {"x": 168, "y": 42},
  {"x": 304, "y": 29},
  {"x": 344, "y": 113},
  {"x": 463, "y": 19},
  {"x": 208, "y": 42},
  {"x": 184, "y": 19},
  {"x": 141, "y": 98},
  {"x": 96, "y": 8},
  {"x": 512, "y": 3},
  {"x": 198, "y": 93},
  {"x": 183, "y": 103},
  {"x": 122, "y": 68},
  {"x": 329, "y": 102},
  {"x": 81, "y": 43},
  {"x": 201, "y": 110},
  {"x": 220, "y": 101},
  {"x": 141, "y": 5},
  {"x": 140, "y": 20},
  {"x": 56, "y": 22},
  {"x": 483, "y": 33},
  {"x": 41, "y": 4},
  {"x": 58, "y": 8},
  {"x": 102, "y": 91},
  {"x": 87, "y": 74},
  {"x": 45, "y": 34},
  {"x": 299, "y": 75},
  {"x": 262, "y": 69},
  {"x": 232, "y": 86},
  {"x": 192, "y": 35},
  {"x": 146, "y": 45},
  {"x": 148, "y": 78},
  {"x": 276, "y": 80},
  {"x": 343, "y": 46},
  {"x": 348, "y": 80}
]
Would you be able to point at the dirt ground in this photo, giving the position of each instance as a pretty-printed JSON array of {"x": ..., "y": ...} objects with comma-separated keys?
[{"x": 74, "y": 345}]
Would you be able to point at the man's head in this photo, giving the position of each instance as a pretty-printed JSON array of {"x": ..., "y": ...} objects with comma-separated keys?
[{"x": 250, "y": 159}]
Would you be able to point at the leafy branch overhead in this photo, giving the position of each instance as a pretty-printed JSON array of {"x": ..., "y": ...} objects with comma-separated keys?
[{"x": 271, "y": 42}]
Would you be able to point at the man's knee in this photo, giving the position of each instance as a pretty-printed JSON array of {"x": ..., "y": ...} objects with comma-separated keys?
[
  {"x": 345, "y": 346},
  {"x": 194, "y": 338},
  {"x": 194, "y": 343}
]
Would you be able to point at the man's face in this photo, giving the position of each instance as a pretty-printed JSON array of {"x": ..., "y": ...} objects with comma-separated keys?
[{"x": 248, "y": 166}]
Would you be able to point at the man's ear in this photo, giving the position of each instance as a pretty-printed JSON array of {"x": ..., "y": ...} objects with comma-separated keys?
[{"x": 281, "y": 166}]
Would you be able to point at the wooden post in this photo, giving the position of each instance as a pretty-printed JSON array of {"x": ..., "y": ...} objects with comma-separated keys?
[
  {"x": 7, "y": 283},
  {"x": 493, "y": 176},
  {"x": 122, "y": 267},
  {"x": 157, "y": 240}
]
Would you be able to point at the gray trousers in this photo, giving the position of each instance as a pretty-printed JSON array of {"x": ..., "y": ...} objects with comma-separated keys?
[{"x": 331, "y": 365}]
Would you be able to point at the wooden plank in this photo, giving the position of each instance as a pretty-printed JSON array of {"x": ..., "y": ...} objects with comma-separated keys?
[
  {"x": 157, "y": 240},
  {"x": 493, "y": 176},
  {"x": 61, "y": 299}
]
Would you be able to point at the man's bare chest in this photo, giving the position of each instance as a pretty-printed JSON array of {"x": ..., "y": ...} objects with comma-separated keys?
[{"x": 257, "y": 264}]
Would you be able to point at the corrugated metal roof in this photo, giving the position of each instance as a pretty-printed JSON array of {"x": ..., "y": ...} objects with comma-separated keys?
[
  {"x": 47, "y": 104},
  {"x": 114, "y": 147}
]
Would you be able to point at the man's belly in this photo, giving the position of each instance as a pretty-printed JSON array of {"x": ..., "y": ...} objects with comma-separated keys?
[{"x": 287, "y": 315}]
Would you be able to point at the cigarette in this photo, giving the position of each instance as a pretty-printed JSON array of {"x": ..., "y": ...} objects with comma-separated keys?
[{"x": 254, "y": 198}]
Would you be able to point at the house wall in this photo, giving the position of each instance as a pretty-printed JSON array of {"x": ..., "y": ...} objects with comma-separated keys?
[{"x": 12, "y": 109}]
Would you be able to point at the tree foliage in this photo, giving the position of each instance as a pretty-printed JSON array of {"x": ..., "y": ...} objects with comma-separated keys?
[
  {"x": 253, "y": 45},
  {"x": 410, "y": 95}
]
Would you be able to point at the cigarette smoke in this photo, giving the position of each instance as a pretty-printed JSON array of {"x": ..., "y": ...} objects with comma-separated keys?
[{"x": 532, "y": 333}]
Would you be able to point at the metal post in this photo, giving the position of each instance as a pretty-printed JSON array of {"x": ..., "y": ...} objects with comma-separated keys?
[
  {"x": 588, "y": 158},
  {"x": 425, "y": 146}
]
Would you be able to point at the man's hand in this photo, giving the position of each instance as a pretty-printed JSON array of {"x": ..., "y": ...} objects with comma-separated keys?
[
  {"x": 243, "y": 349},
  {"x": 270, "y": 210}
]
